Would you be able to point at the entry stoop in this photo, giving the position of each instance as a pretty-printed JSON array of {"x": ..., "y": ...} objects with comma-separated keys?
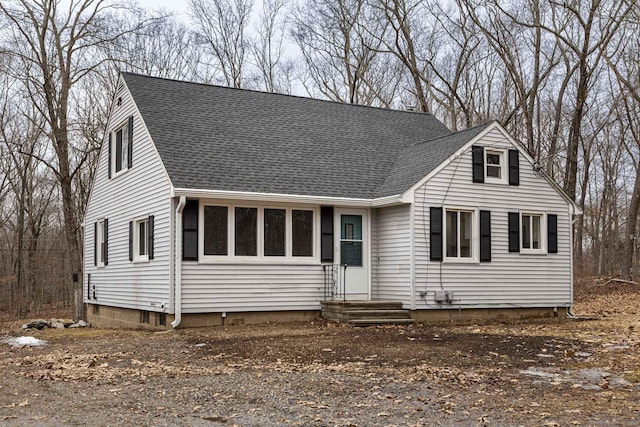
[{"x": 366, "y": 313}]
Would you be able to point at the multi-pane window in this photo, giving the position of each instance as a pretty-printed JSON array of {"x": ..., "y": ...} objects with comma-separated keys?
[
  {"x": 531, "y": 234},
  {"x": 459, "y": 234},
  {"x": 494, "y": 164},
  {"x": 258, "y": 232},
  {"x": 351, "y": 240}
]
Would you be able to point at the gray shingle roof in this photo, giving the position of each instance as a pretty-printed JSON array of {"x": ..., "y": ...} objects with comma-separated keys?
[
  {"x": 218, "y": 138},
  {"x": 418, "y": 160}
]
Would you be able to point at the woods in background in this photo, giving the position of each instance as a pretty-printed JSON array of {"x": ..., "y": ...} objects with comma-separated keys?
[{"x": 562, "y": 77}]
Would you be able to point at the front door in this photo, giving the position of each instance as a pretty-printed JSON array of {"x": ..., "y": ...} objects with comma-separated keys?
[{"x": 352, "y": 251}]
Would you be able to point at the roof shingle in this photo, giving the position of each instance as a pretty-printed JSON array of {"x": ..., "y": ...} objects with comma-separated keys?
[{"x": 218, "y": 138}]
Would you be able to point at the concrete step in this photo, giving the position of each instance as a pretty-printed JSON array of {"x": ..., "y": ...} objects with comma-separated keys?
[
  {"x": 377, "y": 314},
  {"x": 361, "y": 305},
  {"x": 376, "y": 322}
]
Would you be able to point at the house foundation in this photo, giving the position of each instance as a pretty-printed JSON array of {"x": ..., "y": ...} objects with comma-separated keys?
[{"x": 102, "y": 316}]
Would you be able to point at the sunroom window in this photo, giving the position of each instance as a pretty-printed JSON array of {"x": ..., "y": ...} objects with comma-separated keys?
[
  {"x": 275, "y": 222},
  {"x": 246, "y": 231},
  {"x": 302, "y": 233},
  {"x": 261, "y": 233},
  {"x": 215, "y": 230}
]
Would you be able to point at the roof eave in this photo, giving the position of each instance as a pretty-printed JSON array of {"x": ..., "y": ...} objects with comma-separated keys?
[{"x": 287, "y": 198}]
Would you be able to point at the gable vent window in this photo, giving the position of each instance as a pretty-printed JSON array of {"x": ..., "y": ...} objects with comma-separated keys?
[
  {"x": 141, "y": 235},
  {"x": 121, "y": 148}
]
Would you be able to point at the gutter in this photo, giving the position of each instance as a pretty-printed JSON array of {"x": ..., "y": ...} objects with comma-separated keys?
[{"x": 178, "y": 264}]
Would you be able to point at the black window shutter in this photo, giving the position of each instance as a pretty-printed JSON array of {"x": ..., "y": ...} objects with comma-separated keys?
[
  {"x": 105, "y": 241},
  {"x": 150, "y": 236},
  {"x": 435, "y": 238},
  {"x": 552, "y": 231},
  {"x": 514, "y": 232},
  {"x": 514, "y": 167},
  {"x": 130, "y": 240},
  {"x": 95, "y": 243},
  {"x": 485, "y": 236},
  {"x": 130, "y": 147},
  {"x": 477, "y": 154},
  {"x": 109, "y": 158},
  {"x": 326, "y": 232},
  {"x": 190, "y": 231}
]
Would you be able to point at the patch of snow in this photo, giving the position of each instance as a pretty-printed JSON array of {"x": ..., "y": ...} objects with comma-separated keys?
[{"x": 22, "y": 341}]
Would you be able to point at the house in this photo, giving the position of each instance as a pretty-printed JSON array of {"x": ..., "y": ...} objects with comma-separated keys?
[{"x": 212, "y": 205}]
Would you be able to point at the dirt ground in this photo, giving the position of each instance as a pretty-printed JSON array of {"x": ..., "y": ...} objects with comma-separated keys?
[{"x": 543, "y": 372}]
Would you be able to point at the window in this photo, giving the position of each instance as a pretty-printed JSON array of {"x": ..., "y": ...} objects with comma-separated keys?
[
  {"x": 140, "y": 246},
  {"x": 101, "y": 244},
  {"x": 246, "y": 231},
  {"x": 531, "y": 235},
  {"x": 494, "y": 166},
  {"x": 261, "y": 233},
  {"x": 459, "y": 234},
  {"x": 275, "y": 221},
  {"x": 141, "y": 239},
  {"x": 215, "y": 230},
  {"x": 121, "y": 148},
  {"x": 302, "y": 233}
]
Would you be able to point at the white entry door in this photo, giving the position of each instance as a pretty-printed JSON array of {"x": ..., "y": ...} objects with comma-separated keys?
[{"x": 352, "y": 250}]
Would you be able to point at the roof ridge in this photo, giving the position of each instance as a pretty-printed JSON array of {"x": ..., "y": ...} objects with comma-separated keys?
[
  {"x": 306, "y": 98},
  {"x": 454, "y": 133}
]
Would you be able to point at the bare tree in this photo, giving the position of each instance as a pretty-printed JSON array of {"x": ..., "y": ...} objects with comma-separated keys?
[
  {"x": 221, "y": 25},
  {"x": 274, "y": 68},
  {"x": 58, "y": 47}
]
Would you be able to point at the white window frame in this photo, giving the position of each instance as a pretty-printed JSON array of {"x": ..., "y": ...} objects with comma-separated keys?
[
  {"x": 475, "y": 234},
  {"x": 100, "y": 237},
  {"x": 503, "y": 166},
  {"x": 124, "y": 127},
  {"x": 260, "y": 258},
  {"x": 543, "y": 233},
  {"x": 137, "y": 257}
]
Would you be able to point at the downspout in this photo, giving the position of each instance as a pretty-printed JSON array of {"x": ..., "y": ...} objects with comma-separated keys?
[
  {"x": 573, "y": 217},
  {"x": 178, "y": 264}
]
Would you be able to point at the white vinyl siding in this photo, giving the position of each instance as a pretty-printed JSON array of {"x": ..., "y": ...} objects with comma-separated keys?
[
  {"x": 250, "y": 287},
  {"x": 510, "y": 279},
  {"x": 141, "y": 190},
  {"x": 392, "y": 254}
]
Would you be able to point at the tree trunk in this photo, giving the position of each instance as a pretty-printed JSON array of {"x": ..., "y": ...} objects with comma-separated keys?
[{"x": 632, "y": 221}]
